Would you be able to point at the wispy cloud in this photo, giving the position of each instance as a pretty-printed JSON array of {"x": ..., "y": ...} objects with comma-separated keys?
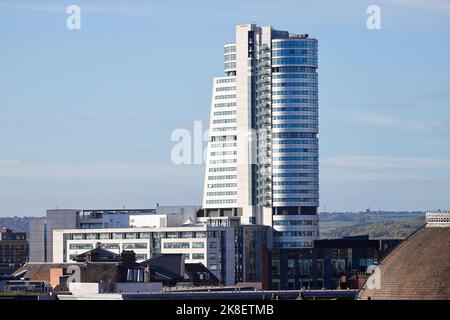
[
  {"x": 131, "y": 9},
  {"x": 155, "y": 172},
  {"x": 384, "y": 120},
  {"x": 434, "y": 5},
  {"x": 364, "y": 161}
]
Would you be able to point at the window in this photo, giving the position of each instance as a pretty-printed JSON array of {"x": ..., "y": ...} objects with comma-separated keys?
[
  {"x": 78, "y": 236},
  {"x": 213, "y": 245},
  {"x": 81, "y": 246},
  {"x": 213, "y": 266},
  {"x": 144, "y": 235},
  {"x": 109, "y": 246},
  {"x": 187, "y": 234},
  {"x": 131, "y": 235},
  {"x": 176, "y": 245},
  {"x": 275, "y": 267},
  {"x": 172, "y": 235},
  {"x": 197, "y": 245},
  {"x": 291, "y": 267},
  {"x": 141, "y": 256},
  {"x": 91, "y": 236},
  {"x": 127, "y": 246},
  {"x": 200, "y": 234},
  {"x": 198, "y": 256}
]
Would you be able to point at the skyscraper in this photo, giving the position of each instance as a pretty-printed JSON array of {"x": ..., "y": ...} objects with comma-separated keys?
[{"x": 262, "y": 162}]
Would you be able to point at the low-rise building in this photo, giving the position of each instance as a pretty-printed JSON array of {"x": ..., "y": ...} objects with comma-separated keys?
[
  {"x": 214, "y": 247},
  {"x": 331, "y": 264},
  {"x": 41, "y": 229},
  {"x": 13, "y": 250}
]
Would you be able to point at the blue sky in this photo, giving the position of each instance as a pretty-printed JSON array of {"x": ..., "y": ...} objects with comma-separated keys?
[{"x": 86, "y": 115}]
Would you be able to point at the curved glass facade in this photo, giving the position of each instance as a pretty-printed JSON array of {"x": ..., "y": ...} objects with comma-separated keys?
[{"x": 294, "y": 114}]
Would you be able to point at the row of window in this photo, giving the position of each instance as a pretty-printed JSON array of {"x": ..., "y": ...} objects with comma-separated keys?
[
  {"x": 224, "y": 145},
  {"x": 224, "y": 121},
  {"x": 295, "y": 183},
  {"x": 224, "y": 113},
  {"x": 229, "y": 49},
  {"x": 225, "y": 105},
  {"x": 225, "y": 88},
  {"x": 292, "y": 60},
  {"x": 295, "y": 101},
  {"x": 295, "y": 166},
  {"x": 295, "y": 175},
  {"x": 224, "y": 129},
  {"x": 226, "y": 80},
  {"x": 295, "y": 52},
  {"x": 295, "y": 141},
  {"x": 224, "y": 138},
  {"x": 227, "y": 177},
  {"x": 294, "y": 150},
  {"x": 294, "y": 200},
  {"x": 226, "y": 96},
  {"x": 295, "y": 76},
  {"x": 288, "y": 135},
  {"x": 136, "y": 235},
  {"x": 230, "y": 57},
  {"x": 222, "y": 185},
  {"x": 222, "y": 169},
  {"x": 183, "y": 245},
  {"x": 295, "y": 125},
  {"x": 295, "y": 93},
  {"x": 312, "y": 109},
  {"x": 295, "y": 84},
  {"x": 296, "y": 234},
  {"x": 225, "y": 201},
  {"x": 294, "y": 44},
  {"x": 302, "y": 244},
  {"x": 221, "y": 161},
  {"x": 221, "y": 193},
  {"x": 293, "y": 69},
  {"x": 224, "y": 153},
  {"x": 230, "y": 65},
  {"x": 125, "y": 246},
  {"x": 295, "y": 158},
  {"x": 294, "y": 117},
  {"x": 296, "y": 191},
  {"x": 295, "y": 222}
]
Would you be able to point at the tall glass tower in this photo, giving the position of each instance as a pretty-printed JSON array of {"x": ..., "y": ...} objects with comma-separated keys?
[{"x": 263, "y": 156}]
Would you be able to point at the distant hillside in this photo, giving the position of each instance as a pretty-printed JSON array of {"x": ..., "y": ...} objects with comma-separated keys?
[
  {"x": 383, "y": 229},
  {"x": 15, "y": 223}
]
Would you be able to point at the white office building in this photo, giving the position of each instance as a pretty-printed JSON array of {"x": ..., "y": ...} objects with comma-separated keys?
[
  {"x": 41, "y": 229},
  {"x": 214, "y": 247},
  {"x": 262, "y": 161}
]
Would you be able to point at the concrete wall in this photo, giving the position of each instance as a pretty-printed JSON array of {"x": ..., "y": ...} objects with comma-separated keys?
[
  {"x": 123, "y": 287},
  {"x": 36, "y": 239},
  {"x": 83, "y": 288},
  {"x": 59, "y": 219}
]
